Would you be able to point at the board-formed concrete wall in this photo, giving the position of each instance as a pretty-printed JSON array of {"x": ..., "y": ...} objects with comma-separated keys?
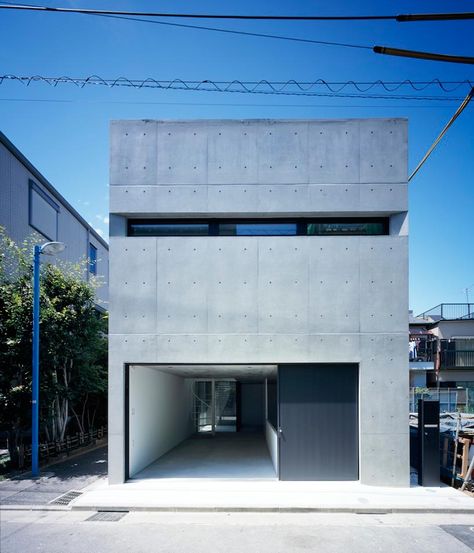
[{"x": 293, "y": 299}]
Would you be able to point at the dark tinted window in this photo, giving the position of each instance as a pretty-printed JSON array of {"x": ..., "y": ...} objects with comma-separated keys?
[
  {"x": 257, "y": 229},
  {"x": 168, "y": 229},
  {"x": 349, "y": 227},
  {"x": 273, "y": 227}
]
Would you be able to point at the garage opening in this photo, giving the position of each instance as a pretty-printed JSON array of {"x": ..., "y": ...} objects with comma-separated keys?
[
  {"x": 292, "y": 422},
  {"x": 193, "y": 421}
]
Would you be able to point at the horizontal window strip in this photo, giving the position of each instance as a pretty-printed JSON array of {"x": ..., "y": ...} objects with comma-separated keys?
[{"x": 264, "y": 227}]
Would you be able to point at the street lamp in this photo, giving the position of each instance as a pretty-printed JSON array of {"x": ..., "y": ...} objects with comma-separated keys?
[{"x": 49, "y": 248}]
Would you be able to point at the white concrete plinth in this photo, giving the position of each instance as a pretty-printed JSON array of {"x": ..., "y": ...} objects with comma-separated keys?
[{"x": 186, "y": 494}]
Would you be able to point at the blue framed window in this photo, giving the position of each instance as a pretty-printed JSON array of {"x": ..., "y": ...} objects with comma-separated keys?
[{"x": 92, "y": 259}]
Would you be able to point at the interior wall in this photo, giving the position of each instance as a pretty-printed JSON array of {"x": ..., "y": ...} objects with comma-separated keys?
[
  {"x": 272, "y": 444},
  {"x": 251, "y": 405},
  {"x": 271, "y": 435},
  {"x": 160, "y": 414}
]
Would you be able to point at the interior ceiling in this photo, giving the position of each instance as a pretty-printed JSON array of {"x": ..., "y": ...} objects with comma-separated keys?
[{"x": 224, "y": 372}]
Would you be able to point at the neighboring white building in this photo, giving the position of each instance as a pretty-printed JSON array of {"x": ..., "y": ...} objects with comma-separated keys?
[
  {"x": 259, "y": 279},
  {"x": 443, "y": 340},
  {"x": 30, "y": 204}
]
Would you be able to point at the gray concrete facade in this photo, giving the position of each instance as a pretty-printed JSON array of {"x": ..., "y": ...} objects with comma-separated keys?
[
  {"x": 267, "y": 299},
  {"x": 30, "y": 205}
]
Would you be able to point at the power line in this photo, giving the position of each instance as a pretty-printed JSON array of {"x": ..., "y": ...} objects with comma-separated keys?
[
  {"x": 284, "y": 88},
  {"x": 457, "y": 113},
  {"x": 422, "y": 55},
  {"x": 223, "y": 104},
  {"x": 234, "y": 32},
  {"x": 400, "y": 18},
  {"x": 225, "y": 31}
]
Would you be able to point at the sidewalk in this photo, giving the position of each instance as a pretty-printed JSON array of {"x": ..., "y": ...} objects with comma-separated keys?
[
  {"x": 185, "y": 494},
  {"x": 74, "y": 473}
]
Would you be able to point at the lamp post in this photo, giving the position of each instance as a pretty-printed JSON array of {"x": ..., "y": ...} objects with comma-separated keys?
[{"x": 49, "y": 248}]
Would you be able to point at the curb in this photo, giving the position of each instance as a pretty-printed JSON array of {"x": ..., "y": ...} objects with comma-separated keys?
[
  {"x": 333, "y": 510},
  {"x": 33, "y": 508},
  {"x": 353, "y": 510}
]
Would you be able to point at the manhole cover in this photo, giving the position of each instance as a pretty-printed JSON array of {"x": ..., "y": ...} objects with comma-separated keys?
[
  {"x": 107, "y": 516},
  {"x": 66, "y": 498}
]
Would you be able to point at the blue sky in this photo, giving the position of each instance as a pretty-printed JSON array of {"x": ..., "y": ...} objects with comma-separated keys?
[{"x": 64, "y": 130}]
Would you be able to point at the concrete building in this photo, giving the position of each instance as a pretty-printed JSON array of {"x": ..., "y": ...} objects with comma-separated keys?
[
  {"x": 29, "y": 204},
  {"x": 258, "y": 294}
]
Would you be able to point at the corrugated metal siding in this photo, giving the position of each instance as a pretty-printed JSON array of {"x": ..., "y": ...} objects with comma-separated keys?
[
  {"x": 5, "y": 185},
  {"x": 15, "y": 202},
  {"x": 102, "y": 271},
  {"x": 14, "y": 216},
  {"x": 74, "y": 235}
]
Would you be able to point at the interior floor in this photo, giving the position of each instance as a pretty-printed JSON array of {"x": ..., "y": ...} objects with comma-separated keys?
[{"x": 240, "y": 455}]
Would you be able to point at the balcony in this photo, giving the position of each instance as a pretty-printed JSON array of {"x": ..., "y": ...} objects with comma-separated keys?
[
  {"x": 456, "y": 354},
  {"x": 422, "y": 348}
]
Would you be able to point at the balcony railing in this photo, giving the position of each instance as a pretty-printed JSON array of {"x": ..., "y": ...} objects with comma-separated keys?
[
  {"x": 449, "y": 311},
  {"x": 423, "y": 347},
  {"x": 457, "y": 359}
]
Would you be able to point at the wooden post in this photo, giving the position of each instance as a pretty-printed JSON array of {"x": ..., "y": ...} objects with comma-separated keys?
[
  {"x": 466, "y": 442},
  {"x": 469, "y": 474}
]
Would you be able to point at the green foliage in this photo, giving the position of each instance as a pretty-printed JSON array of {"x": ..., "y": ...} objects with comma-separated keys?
[{"x": 73, "y": 343}]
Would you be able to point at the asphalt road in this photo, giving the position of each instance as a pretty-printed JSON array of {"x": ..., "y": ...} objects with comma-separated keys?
[
  {"x": 72, "y": 474},
  {"x": 71, "y": 532}
]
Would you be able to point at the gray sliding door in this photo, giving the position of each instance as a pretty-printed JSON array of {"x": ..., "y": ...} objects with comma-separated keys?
[{"x": 318, "y": 421}]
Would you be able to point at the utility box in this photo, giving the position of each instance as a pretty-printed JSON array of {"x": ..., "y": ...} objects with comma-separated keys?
[{"x": 428, "y": 443}]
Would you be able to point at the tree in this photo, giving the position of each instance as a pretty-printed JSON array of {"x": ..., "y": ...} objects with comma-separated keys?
[{"x": 73, "y": 345}]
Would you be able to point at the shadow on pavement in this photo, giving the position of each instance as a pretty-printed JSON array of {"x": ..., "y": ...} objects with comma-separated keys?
[{"x": 71, "y": 474}]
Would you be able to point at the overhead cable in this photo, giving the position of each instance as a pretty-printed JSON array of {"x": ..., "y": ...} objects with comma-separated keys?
[
  {"x": 457, "y": 113},
  {"x": 422, "y": 55},
  {"x": 400, "y": 18},
  {"x": 225, "y": 104},
  {"x": 288, "y": 88},
  {"x": 235, "y": 32}
]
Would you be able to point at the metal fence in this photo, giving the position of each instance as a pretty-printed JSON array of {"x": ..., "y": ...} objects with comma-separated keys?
[
  {"x": 49, "y": 450},
  {"x": 450, "y": 399}
]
